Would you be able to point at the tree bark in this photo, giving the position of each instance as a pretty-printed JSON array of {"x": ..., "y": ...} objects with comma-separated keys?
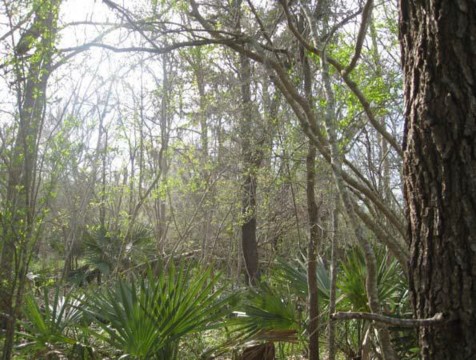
[
  {"x": 439, "y": 61},
  {"x": 163, "y": 161}
]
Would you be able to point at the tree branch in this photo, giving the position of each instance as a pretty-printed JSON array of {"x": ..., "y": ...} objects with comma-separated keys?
[
  {"x": 366, "y": 14},
  {"x": 154, "y": 50},
  {"x": 437, "y": 319},
  {"x": 302, "y": 108},
  {"x": 344, "y": 73},
  {"x": 17, "y": 26}
]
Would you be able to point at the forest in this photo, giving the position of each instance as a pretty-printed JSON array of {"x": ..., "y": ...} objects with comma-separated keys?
[{"x": 237, "y": 179}]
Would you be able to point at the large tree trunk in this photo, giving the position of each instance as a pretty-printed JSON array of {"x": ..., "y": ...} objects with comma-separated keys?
[{"x": 439, "y": 59}]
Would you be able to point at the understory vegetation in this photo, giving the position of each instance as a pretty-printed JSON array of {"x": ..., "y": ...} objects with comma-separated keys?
[{"x": 182, "y": 310}]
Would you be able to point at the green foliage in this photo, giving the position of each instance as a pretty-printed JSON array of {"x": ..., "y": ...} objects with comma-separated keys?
[
  {"x": 291, "y": 278},
  {"x": 105, "y": 250},
  {"x": 149, "y": 320},
  {"x": 265, "y": 314},
  {"x": 352, "y": 275},
  {"x": 51, "y": 327},
  {"x": 350, "y": 282},
  {"x": 294, "y": 274}
]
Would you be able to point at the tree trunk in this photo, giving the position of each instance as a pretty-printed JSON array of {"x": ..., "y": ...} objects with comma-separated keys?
[
  {"x": 313, "y": 215},
  {"x": 248, "y": 229},
  {"x": 198, "y": 64},
  {"x": 251, "y": 161},
  {"x": 439, "y": 60},
  {"x": 331, "y": 348},
  {"x": 163, "y": 160},
  {"x": 19, "y": 219}
]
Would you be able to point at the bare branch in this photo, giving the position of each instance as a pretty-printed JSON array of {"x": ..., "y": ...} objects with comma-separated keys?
[
  {"x": 260, "y": 23},
  {"x": 397, "y": 247},
  {"x": 124, "y": 13},
  {"x": 337, "y": 26},
  {"x": 155, "y": 50},
  {"x": 436, "y": 320},
  {"x": 17, "y": 26},
  {"x": 366, "y": 15}
]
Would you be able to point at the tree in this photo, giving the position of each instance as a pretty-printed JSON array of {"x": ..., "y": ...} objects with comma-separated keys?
[
  {"x": 274, "y": 50},
  {"x": 20, "y": 222},
  {"x": 439, "y": 46}
]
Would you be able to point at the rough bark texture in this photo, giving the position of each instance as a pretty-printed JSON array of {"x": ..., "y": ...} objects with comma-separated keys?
[{"x": 439, "y": 59}]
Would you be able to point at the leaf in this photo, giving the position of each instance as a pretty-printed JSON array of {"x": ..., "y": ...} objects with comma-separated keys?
[{"x": 149, "y": 320}]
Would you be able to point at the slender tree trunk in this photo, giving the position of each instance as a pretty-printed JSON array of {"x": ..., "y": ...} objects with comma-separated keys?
[
  {"x": 19, "y": 217},
  {"x": 251, "y": 161},
  {"x": 313, "y": 215},
  {"x": 384, "y": 151},
  {"x": 439, "y": 60},
  {"x": 333, "y": 282},
  {"x": 197, "y": 63},
  {"x": 163, "y": 161}
]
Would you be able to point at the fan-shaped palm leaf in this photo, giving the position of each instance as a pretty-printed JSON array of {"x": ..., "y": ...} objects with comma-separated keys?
[
  {"x": 352, "y": 277},
  {"x": 294, "y": 274},
  {"x": 148, "y": 321},
  {"x": 265, "y": 314},
  {"x": 51, "y": 326}
]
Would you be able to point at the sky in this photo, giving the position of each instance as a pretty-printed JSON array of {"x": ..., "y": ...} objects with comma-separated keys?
[{"x": 89, "y": 76}]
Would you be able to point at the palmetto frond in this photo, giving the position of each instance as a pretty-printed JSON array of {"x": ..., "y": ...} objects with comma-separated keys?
[
  {"x": 265, "y": 314},
  {"x": 294, "y": 275},
  {"x": 52, "y": 324},
  {"x": 352, "y": 275},
  {"x": 106, "y": 249},
  {"x": 147, "y": 321}
]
